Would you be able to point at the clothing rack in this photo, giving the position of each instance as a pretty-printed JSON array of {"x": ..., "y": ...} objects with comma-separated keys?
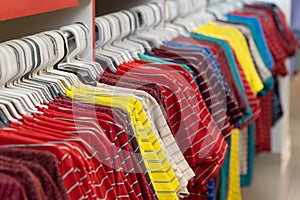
[{"x": 85, "y": 15}]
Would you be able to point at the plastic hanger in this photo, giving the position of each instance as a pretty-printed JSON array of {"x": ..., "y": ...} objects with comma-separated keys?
[
  {"x": 30, "y": 62},
  {"x": 190, "y": 14},
  {"x": 103, "y": 60},
  {"x": 57, "y": 52},
  {"x": 80, "y": 33},
  {"x": 147, "y": 17},
  {"x": 158, "y": 19},
  {"x": 184, "y": 8},
  {"x": 145, "y": 22},
  {"x": 118, "y": 30},
  {"x": 25, "y": 60},
  {"x": 53, "y": 59},
  {"x": 58, "y": 43},
  {"x": 92, "y": 66},
  {"x": 46, "y": 58},
  {"x": 172, "y": 12},
  {"x": 86, "y": 67},
  {"x": 120, "y": 43},
  {"x": 80, "y": 46},
  {"x": 127, "y": 20},
  {"x": 3, "y": 119},
  {"x": 238, "y": 4},
  {"x": 30, "y": 101},
  {"x": 115, "y": 27},
  {"x": 72, "y": 64},
  {"x": 134, "y": 21},
  {"x": 26, "y": 52},
  {"x": 13, "y": 115},
  {"x": 53, "y": 87},
  {"x": 7, "y": 114},
  {"x": 44, "y": 89},
  {"x": 85, "y": 31},
  {"x": 13, "y": 105},
  {"x": 22, "y": 102},
  {"x": 200, "y": 16},
  {"x": 104, "y": 56},
  {"x": 220, "y": 8},
  {"x": 150, "y": 33},
  {"x": 131, "y": 49}
]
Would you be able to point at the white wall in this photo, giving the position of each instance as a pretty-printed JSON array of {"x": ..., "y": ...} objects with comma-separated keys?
[{"x": 281, "y": 139}]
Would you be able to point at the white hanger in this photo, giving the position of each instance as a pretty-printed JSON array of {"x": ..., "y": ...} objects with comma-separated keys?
[
  {"x": 220, "y": 8},
  {"x": 58, "y": 43},
  {"x": 22, "y": 102},
  {"x": 71, "y": 62},
  {"x": 200, "y": 16},
  {"x": 146, "y": 19},
  {"x": 29, "y": 99},
  {"x": 150, "y": 18},
  {"x": 159, "y": 19},
  {"x": 108, "y": 58},
  {"x": 184, "y": 8},
  {"x": 9, "y": 62},
  {"x": 126, "y": 28},
  {"x": 25, "y": 65},
  {"x": 37, "y": 62},
  {"x": 190, "y": 14},
  {"x": 135, "y": 27},
  {"x": 24, "y": 61},
  {"x": 120, "y": 24},
  {"x": 118, "y": 31},
  {"x": 237, "y": 3},
  {"x": 84, "y": 31},
  {"x": 53, "y": 59},
  {"x": 31, "y": 63},
  {"x": 122, "y": 44},
  {"x": 46, "y": 59},
  {"x": 106, "y": 34},
  {"x": 172, "y": 12}
]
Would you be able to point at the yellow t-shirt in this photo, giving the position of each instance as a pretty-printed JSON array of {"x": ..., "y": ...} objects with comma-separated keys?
[{"x": 234, "y": 188}]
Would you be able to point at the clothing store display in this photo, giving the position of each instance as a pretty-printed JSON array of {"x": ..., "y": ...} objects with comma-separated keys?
[{"x": 167, "y": 113}]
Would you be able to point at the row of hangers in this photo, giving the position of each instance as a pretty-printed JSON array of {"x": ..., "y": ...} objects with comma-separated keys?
[
  {"x": 124, "y": 34},
  {"x": 36, "y": 69}
]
